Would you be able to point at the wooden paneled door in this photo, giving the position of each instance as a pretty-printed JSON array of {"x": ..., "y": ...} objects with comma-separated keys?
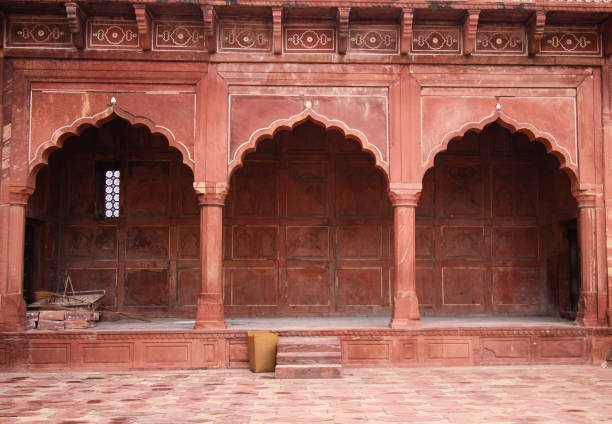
[
  {"x": 307, "y": 229},
  {"x": 147, "y": 258},
  {"x": 491, "y": 225}
]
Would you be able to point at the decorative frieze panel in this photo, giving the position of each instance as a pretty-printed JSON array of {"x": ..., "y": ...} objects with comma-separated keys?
[
  {"x": 573, "y": 42},
  {"x": 310, "y": 40},
  {"x": 501, "y": 40},
  {"x": 113, "y": 34},
  {"x": 241, "y": 37},
  {"x": 38, "y": 32},
  {"x": 436, "y": 39},
  {"x": 374, "y": 39},
  {"x": 177, "y": 35}
]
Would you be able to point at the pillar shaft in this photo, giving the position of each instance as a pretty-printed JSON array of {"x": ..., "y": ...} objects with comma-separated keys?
[
  {"x": 12, "y": 304},
  {"x": 587, "y": 306},
  {"x": 405, "y": 303},
  {"x": 210, "y": 302}
]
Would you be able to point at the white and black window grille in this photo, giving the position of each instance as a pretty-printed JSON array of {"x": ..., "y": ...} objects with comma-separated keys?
[{"x": 112, "y": 179}]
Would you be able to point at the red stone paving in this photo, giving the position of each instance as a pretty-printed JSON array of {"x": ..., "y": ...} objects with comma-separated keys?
[{"x": 536, "y": 394}]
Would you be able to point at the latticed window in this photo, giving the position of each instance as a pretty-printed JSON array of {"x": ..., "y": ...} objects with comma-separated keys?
[{"x": 111, "y": 193}]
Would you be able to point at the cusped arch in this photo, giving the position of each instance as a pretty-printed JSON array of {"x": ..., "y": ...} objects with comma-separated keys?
[
  {"x": 76, "y": 128},
  {"x": 235, "y": 161},
  {"x": 566, "y": 162}
]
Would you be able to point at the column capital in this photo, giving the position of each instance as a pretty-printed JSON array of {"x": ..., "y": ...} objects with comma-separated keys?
[
  {"x": 405, "y": 194},
  {"x": 585, "y": 198},
  {"x": 17, "y": 194},
  {"x": 211, "y": 193}
]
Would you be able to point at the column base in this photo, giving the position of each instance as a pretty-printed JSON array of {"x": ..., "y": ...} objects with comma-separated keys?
[
  {"x": 587, "y": 322},
  {"x": 405, "y": 323},
  {"x": 210, "y": 314},
  {"x": 12, "y": 313}
]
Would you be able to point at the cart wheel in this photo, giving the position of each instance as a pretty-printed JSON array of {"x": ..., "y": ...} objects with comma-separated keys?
[{"x": 604, "y": 364}]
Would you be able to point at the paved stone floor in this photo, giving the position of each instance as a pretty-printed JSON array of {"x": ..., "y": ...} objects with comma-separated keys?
[{"x": 463, "y": 395}]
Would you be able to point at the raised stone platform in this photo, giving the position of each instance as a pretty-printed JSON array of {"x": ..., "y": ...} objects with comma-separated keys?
[{"x": 365, "y": 342}]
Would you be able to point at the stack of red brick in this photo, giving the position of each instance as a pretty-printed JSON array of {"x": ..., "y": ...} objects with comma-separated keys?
[{"x": 60, "y": 320}]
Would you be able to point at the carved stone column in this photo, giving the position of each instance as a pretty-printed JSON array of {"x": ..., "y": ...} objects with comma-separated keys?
[
  {"x": 210, "y": 302},
  {"x": 405, "y": 303},
  {"x": 587, "y": 239},
  {"x": 12, "y": 304}
]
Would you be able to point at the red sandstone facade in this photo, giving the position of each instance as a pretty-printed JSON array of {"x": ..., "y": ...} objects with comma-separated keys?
[{"x": 321, "y": 158}]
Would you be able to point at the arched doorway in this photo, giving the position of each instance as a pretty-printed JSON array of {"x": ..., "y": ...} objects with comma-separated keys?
[
  {"x": 116, "y": 210},
  {"x": 307, "y": 228},
  {"x": 495, "y": 229}
]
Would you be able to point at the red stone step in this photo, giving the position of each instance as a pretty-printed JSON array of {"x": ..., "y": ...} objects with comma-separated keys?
[
  {"x": 284, "y": 358},
  {"x": 308, "y": 371},
  {"x": 308, "y": 344},
  {"x": 308, "y": 357}
]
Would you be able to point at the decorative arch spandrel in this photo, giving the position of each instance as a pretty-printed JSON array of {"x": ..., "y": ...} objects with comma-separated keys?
[
  {"x": 46, "y": 135},
  {"x": 235, "y": 160},
  {"x": 551, "y": 121},
  {"x": 359, "y": 113}
]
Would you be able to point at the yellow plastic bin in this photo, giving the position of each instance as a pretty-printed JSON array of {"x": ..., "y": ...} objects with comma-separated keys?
[{"x": 262, "y": 351}]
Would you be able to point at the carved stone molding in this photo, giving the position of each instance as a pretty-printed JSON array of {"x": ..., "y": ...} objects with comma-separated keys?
[
  {"x": 76, "y": 23},
  {"x": 470, "y": 27},
  {"x": 585, "y": 198},
  {"x": 402, "y": 194},
  {"x": 342, "y": 17},
  {"x": 19, "y": 194},
  {"x": 210, "y": 27},
  {"x": 277, "y": 29},
  {"x": 211, "y": 193},
  {"x": 406, "y": 30},
  {"x": 536, "y": 31},
  {"x": 143, "y": 21}
]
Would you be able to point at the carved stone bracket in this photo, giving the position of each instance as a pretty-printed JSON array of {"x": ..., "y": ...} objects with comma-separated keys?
[
  {"x": 470, "y": 27},
  {"x": 342, "y": 17},
  {"x": 405, "y": 194},
  {"x": 535, "y": 31},
  {"x": 76, "y": 23},
  {"x": 210, "y": 27},
  {"x": 210, "y": 193},
  {"x": 143, "y": 21},
  {"x": 406, "y": 31},
  {"x": 277, "y": 30}
]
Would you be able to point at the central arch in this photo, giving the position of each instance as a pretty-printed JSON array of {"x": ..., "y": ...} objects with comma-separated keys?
[{"x": 307, "y": 227}]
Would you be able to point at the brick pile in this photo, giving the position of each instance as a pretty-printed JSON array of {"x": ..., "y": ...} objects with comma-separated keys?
[{"x": 60, "y": 320}]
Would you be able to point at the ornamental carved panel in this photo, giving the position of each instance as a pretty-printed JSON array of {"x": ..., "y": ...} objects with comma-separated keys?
[
  {"x": 310, "y": 39},
  {"x": 564, "y": 41},
  {"x": 374, "y": 39},
  {"x": 241, "y": 37},
  {"x": 38, "y": 32},
  {"x": 178, "y": 35},
  {"x": 500, "y": 40},
  {"x": 436, "y": 39},
  {"x": 106, "y": 34}
]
